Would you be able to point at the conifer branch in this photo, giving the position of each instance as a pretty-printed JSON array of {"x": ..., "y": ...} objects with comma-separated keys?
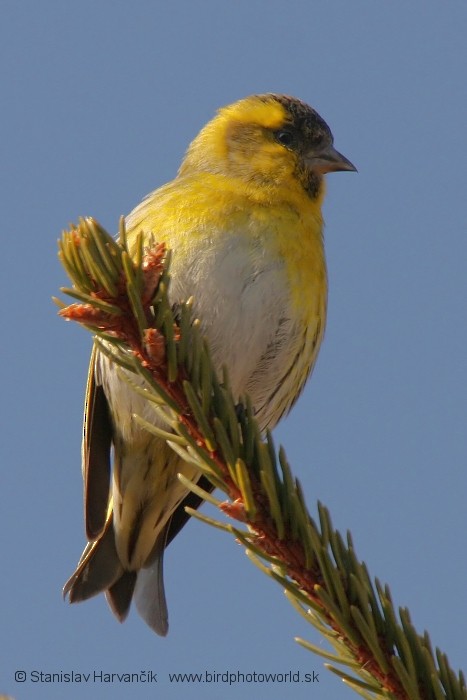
[{"x": 123, "y": 301}]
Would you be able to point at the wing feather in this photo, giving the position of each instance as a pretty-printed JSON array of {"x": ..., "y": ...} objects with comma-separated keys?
[{"x": 97, "y": 442}]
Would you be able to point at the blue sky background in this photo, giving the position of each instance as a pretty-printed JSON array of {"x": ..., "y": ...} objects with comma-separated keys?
[{"x": 99, "y": 101}]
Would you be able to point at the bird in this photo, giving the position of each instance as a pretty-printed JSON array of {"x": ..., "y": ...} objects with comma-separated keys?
[{"x": 243, "y": 221}]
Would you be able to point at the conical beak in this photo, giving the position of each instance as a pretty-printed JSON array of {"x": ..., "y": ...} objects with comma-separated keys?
[{"x": 328, "y": 160}]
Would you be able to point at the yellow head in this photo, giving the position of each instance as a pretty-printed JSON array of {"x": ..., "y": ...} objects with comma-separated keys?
[{"x": 271, "y": 140}]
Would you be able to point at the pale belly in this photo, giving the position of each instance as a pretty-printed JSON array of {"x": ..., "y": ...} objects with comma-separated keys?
[{"x": 244, "y": 304}]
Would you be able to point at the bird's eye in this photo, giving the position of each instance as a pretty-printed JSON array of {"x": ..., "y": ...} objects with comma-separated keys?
[{"x": 285, "y": 137}]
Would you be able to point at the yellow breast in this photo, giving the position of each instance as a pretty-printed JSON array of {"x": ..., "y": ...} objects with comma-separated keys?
[{"x": 254, "y": 264}]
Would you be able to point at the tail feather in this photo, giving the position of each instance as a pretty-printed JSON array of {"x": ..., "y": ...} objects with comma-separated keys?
[
  {"x": 120, "y": 594},
  {"x": 98, "y": 569},
  {"x": 150, "y": 595}
]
